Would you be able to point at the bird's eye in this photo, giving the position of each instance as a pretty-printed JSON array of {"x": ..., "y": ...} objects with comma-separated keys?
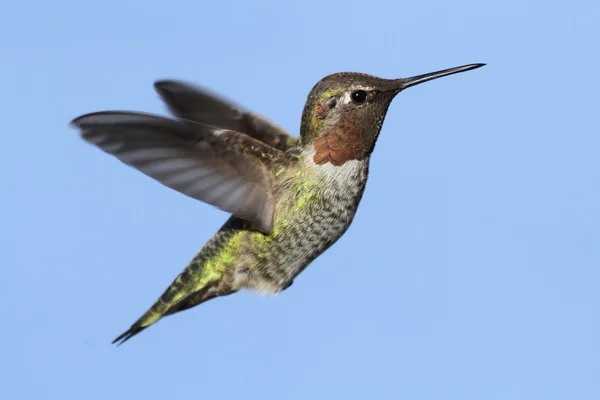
[{"x": 359, "y": 96}]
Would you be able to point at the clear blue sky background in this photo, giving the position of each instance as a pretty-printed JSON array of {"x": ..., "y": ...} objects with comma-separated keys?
[{"x": 472, "y": 270}]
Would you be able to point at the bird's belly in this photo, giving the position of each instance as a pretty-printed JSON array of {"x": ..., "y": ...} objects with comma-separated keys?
[{"x": 301, "y": 233}]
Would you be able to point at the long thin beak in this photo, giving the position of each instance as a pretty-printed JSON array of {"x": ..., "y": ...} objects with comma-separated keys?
[{"x": 415, "y": 80}]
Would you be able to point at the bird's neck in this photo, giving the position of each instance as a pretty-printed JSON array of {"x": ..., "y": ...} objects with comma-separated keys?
[{"x": 336, "y": 177}]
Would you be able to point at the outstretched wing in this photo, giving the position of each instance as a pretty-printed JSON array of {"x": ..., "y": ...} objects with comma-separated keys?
[
  {"x": 193, "y": 103},
  {"x": 226, "y": 169}
]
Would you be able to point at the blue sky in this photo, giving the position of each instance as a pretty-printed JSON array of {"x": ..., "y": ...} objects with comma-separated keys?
[{"x": 471, "y": 270}]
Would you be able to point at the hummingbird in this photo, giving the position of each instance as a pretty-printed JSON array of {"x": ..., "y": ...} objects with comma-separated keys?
[{"x": 289, "y": 198}]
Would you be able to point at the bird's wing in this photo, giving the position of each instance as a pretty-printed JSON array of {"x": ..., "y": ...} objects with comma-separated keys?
[
  {"x": 226, "y": 169},
  {"x": 193, "y": 103}
]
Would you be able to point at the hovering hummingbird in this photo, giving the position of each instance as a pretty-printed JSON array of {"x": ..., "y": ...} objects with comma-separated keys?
[{"x": 290, "y": 198}]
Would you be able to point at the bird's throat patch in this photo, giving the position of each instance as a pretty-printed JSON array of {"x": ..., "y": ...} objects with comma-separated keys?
[{"x": 338, "y": 146}]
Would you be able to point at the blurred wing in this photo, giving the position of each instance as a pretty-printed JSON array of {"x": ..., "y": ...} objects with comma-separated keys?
[
  {"x": 198, "y": 161},
  {"x": 196, "y": 104}
]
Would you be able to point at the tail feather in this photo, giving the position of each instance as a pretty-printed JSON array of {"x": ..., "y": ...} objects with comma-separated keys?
[
  {"x": 165, "y": 306},
  {"x": 150, "y": 317},
  {"x": 128, "y": 334},
  {"x": 203, "y": 279}
]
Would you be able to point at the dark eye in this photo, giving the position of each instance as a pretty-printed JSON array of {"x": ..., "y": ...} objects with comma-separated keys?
[{"x": 359, "y": 96}]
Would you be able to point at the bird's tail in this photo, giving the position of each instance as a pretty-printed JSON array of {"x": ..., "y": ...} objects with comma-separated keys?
[
  {"x": 206, "y": 277},
  {"x": 150, "y": 317},
  {"x": 192, "y": 287},
  {"x": 129, "y": 333}
]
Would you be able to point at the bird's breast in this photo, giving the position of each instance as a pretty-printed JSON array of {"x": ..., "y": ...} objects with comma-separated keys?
[{"x": 316, "y": 207}]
